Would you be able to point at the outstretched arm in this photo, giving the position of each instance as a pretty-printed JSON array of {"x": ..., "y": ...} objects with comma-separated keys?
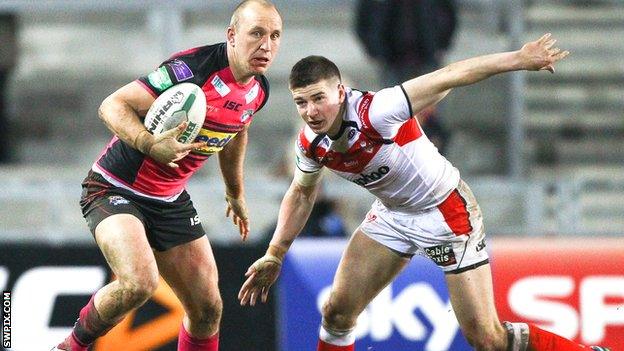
[
  {"x": 293, "y": 214},
  {"x": 430, "y": 88}
]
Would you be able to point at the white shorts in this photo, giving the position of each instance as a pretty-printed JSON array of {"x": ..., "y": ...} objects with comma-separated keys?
[{"x": 450, "y": 234}]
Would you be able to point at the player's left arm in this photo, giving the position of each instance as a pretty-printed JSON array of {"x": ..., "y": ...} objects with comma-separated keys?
[
  {"x": 294, "y": 212},
  {"x": 430, "y": 88},
  {"x": 231, "y": 160}
]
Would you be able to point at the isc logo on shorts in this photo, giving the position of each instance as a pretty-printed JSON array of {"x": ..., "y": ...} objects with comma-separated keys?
[{"x": 195, "y": 220}]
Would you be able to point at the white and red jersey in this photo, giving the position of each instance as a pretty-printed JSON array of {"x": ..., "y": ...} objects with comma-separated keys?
[{"x": 382, "y": 148}]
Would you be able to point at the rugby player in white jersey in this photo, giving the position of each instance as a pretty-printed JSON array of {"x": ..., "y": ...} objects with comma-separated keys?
[{"x": 422, "y": 204}]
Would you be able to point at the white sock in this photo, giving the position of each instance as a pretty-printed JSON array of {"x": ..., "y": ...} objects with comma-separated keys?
[
  {"x": 518, "y": 336},
  {"x": 338, "y": 338}
]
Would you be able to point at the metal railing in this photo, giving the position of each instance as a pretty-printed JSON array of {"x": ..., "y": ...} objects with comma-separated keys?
[{"x": 41, "y": 205}]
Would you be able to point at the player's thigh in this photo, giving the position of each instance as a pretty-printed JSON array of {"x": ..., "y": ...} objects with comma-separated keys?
[
  {"x": 365, "y": 269},
  {"x": 122, "y": 240},
  {"x": 191, "y": 271},
  {"x": 472, "y": 298}
]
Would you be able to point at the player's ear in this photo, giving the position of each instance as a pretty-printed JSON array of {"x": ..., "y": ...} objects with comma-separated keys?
[
  {"x": 341, "y": 93},
  {"x": 230, "y": 35}
]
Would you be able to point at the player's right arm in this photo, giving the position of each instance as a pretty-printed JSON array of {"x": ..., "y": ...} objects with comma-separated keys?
[
  {"x": 122, "y": 112},
  {"x": 294, "y": 212}
]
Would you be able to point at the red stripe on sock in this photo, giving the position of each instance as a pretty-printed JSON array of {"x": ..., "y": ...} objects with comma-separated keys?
[
  {"x": 542, "y": 340},
  {"x": 323, "y": 346}
]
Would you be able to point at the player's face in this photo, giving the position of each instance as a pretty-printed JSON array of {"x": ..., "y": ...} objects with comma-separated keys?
[
  {"x": 319, "y": 105},
  {"x": 255, "y": 40}
]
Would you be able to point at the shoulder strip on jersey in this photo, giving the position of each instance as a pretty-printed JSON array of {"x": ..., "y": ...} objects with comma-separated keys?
[
  {"x": 193, "y": 65},
  {"x": 362, "y": 112},
  {"x": 203, "y": 61},
  {"x": 264, "y": 83},
  {"x": 409, "y": 103},
  {"x": 317, "y": 140}
]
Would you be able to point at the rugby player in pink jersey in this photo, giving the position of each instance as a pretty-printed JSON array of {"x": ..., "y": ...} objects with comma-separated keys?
[
  {"x": 422, "y": 205},
  {"x": 134, "y": 197}
]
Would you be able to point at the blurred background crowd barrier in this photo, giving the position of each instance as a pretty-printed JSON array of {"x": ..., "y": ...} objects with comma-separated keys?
[{"x": 543, "y": 153}]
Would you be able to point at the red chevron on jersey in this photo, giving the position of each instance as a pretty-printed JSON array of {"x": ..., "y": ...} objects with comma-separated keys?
[
  {"x": 355, "y": 159},
  {"x": 408, "y": 132}
]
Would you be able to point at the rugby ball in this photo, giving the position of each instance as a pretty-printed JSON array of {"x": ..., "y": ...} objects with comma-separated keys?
[{"x": 182, "y": 102}]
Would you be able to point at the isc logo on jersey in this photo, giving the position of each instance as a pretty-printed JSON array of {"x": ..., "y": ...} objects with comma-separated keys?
[{"x": 215, "y": 141}]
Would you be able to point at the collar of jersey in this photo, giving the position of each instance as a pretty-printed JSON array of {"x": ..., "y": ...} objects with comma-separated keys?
[{"x": 343, "y": 126}]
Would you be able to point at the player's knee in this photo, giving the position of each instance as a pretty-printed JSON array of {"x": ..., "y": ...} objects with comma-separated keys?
[
  {"x": 336, "y": 316},
  {"x": 208, "y": 313},
  {"x": 140, "y": 287}
]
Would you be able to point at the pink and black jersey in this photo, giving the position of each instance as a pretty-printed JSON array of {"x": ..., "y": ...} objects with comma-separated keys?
[
  {"x": 382, "y": 148},
  {"x": 230, "y": 107}
]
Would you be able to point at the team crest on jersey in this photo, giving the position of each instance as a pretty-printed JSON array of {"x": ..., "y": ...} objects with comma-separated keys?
[
  {"x": 252, "y": 94},
  {"x": 117, "y": 200},
  {"x": 246, "y": 115},
  {"x": 351, "y": 134},
  {"x": 367, "y": 147},
  {"x": 220, "y": 86}
]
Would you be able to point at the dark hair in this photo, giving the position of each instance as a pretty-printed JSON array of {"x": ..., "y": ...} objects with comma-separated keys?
[{"x": 310, "y": 70}]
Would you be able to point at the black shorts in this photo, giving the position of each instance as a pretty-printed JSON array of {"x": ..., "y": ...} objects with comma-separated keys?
[{"x": 167, "y": 224}]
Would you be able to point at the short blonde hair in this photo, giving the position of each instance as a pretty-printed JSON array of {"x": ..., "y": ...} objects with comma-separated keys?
[{"x": 246, "y": 3}]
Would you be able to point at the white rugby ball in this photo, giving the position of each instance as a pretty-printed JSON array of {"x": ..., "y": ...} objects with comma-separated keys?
[{"x": 182, "y": 102}]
